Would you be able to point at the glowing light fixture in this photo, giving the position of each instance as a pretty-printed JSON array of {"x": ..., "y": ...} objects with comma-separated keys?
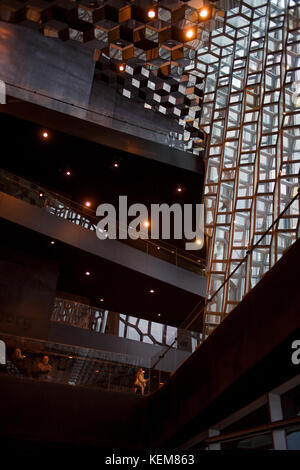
[
  {"x": 45, "y": 135},
  {"x": 87, "y": 204},
  {"x": 151, "y": 291},
  {"x": 204, "y": 13},
  {"x": 151, "y": 14},
  {"x": 87, "y": 273},
  {"x": 52, "y": 242},
  {"x": 199, "y": 242},
  {"x": 179, "y": 189},
  {"x": 121, "y": 68},
  {"x": 68, "y": 173},
  {"x": 189, "y": 34},
  {"x": 146, "y": 224}
]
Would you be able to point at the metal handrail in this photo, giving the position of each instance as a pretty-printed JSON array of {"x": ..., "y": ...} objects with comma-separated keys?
[
  {"x": 250, "y": 432},
  {"x": 129, "y": 357}
]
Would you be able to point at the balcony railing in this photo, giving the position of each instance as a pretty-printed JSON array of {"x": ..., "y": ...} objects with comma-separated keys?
[
  {"x": 64, "y": 208},
  {"x": 66, "y": 364}
]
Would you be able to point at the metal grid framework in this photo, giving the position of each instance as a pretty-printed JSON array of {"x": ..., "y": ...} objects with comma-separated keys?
[{"x": 251, "y": 113}]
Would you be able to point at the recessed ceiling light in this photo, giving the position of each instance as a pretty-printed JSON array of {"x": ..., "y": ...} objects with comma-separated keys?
[
  {"x": 52, "y": 242},
  {"x": 116, "y": 165},
  {"x": 68, "y": 173},
  {"x": 101, "y": 300},
  {"x": 151, "y": 291},
  {"x": 179, "y": 189},
  {"x": 87, "y": 273}
]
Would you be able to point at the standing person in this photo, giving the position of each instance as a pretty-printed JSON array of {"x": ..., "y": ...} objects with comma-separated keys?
[{"x": 140, "y": 381}]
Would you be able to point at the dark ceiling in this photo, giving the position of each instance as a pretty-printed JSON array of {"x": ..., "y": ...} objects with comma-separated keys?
[{"x": 94, "y": 177}]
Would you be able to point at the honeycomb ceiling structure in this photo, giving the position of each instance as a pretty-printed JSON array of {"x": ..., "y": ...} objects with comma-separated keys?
[{"x": 144, "y": 48}]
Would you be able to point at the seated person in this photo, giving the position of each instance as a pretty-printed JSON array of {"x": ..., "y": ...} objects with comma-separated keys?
[
  {"x": 17, "y": 354},
  {"x": 43, "y": 366},
  {"x": 19, "y": 361}
]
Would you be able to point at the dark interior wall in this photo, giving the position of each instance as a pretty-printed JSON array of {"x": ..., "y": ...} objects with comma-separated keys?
[
  {"x": 27, "y": 292},
  {"x": 49, "y": 412}
]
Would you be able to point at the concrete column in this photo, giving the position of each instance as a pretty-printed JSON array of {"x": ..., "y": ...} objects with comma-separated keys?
[
  {"x": 276, "y": 415},
  {"x": 216, "y": 445}
]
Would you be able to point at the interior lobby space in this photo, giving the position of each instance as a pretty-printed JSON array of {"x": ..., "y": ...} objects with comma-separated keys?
[{"x": 149, "y": 226}]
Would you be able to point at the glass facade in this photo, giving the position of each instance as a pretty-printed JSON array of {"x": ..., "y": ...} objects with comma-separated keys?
[
  {"x": 251, "y": 115},
  {"x": 257, "y": 442},
  {"x": 293, "y": 438}
]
